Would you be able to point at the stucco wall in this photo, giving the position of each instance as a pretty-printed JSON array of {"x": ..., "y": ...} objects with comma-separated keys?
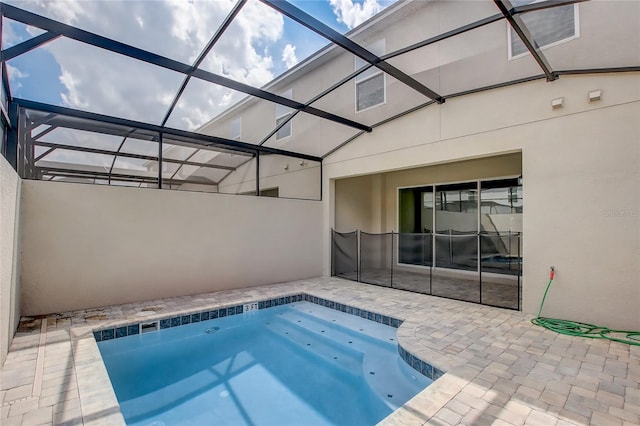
[
  {"x": 580, "y": 167},
  {"x": 354, "y": 204},
  {"x": 476, "y": 58},
  {"x": 9, "y": 255},
  {"x": 293, "y": 177},
  {"x": 87, "y": 245}
]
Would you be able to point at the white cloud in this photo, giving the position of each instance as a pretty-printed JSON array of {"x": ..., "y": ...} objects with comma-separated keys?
[
  {"x": 289, "y": 56},
  {"x": 353, "y": 14},
  {"x": 107, "y": 83},
  {"x": 73, "y": 97},
  {"x": 15, "y": 75},
  {"x": 9, "y": 36}
]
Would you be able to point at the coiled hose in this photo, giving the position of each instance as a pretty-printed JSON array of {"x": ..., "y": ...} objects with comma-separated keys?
[{"x": 581, "y": 329}]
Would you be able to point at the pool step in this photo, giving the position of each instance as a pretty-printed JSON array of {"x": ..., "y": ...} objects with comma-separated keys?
[
  {"x": 320, "y": 347},
  {"x": 381, "y": 368},
  {"x": 332, "y": 333},
  {"x": 350, "y": 324},
  {"x": 384, "y": 372},
  {"x": 355, "y": 329}
]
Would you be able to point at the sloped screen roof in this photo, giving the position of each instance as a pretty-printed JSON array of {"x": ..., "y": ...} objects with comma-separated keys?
[{"x": 278, "y": 77}]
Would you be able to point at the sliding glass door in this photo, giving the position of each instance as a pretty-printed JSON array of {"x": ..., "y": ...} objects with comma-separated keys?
[{"x": 446, "y": 225}]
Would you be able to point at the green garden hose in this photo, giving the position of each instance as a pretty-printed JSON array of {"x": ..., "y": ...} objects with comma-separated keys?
[{"x": 581, "y": 329}]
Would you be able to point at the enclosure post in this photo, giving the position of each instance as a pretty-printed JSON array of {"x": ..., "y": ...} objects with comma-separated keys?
[
  {"x": 392, "y": 262},
  {"x": 258, "y": 173},
  {"x": 433, "y": 261},
  {"x": 159, "y": 161},
  {"x": 519, "y": 270},
  {"x": 12, "y": 136},
  {"x": 358, "y": 255},
  {"x": 479, "y": 257},
  {"x": 333, "y": 254}
]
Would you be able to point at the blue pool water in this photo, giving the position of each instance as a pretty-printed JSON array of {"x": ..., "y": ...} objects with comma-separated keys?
[{"x": 295, "y": 364}]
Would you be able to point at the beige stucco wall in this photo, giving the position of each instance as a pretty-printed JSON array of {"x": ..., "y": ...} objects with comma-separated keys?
[
  {"x": 581, "y": 172},
  {"x": 354, "y": 204},
  {"x": 87, "y": 245},
  {"x": 9, "y": 255},
  {"x": 293, "y": 177},
  {"x": 474, "y": 59}
]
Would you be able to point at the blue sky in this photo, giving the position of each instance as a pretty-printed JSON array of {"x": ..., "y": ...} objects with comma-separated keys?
[{"x": 260, "y": 45}]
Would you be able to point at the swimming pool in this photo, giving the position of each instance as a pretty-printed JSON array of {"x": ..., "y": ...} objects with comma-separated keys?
[{"x": 295, "y": 363}]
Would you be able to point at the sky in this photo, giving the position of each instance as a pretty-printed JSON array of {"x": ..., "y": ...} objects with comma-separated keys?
[{"x": 258, "y": 46}]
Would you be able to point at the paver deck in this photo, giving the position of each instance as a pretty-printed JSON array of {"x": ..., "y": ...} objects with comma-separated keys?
[{"x": 500, "y": 369}]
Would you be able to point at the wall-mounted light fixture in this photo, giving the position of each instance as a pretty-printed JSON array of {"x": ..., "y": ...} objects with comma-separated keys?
[
  {"x": 595, "y": 95},
  {"x": 557, "y": 103}
]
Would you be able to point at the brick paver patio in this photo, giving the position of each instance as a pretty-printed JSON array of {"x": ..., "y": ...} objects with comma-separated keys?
[{"x": 500, "y": 369}]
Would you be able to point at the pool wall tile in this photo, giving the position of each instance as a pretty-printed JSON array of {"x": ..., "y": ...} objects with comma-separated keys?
[
  {"x": 419, "y": 365},
  {"x": 108, "y": 334},
  {"x": 186, "y": 319},
  {"x": 437, "y": 373},
  {"x": 195, "y": 317},
  {"x": 165, "y": 323},
  {"x": 213, "y": 314},
  {"x": 426, "y": 369},
  {"x": 133, "y": 329},
  {"x": 175, "y": 321},
  {"x": 98, "y": 336},
  {"x": 204, "y": 316},
  {"x": 121, "y": 332}
]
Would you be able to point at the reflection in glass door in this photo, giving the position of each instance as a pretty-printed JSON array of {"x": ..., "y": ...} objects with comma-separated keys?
[
  {"x": 457, "y": 226},
  {"x": 416, "y": 223},
  {"x": 501, "y": 226}
]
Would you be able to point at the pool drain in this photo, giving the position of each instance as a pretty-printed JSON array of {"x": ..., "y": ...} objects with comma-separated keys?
[{"x": 211, "y": 330}]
